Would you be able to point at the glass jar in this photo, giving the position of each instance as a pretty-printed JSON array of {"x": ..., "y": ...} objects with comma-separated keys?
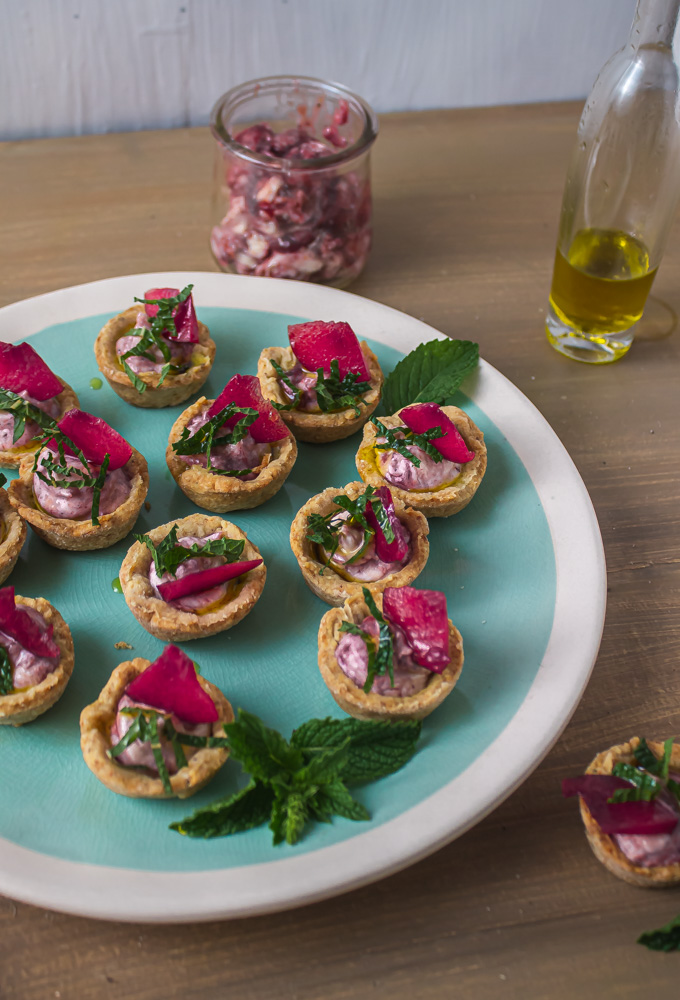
[{"x": 292, "y": 195}]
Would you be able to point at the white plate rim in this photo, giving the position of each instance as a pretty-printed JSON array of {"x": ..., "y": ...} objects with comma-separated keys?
[{"x": 165, "y": 897}]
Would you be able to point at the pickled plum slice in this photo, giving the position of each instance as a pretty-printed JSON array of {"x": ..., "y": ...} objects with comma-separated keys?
[
  {"x": 317, "y": 343},
  {"x": 647, "y": 818},
  {"x": 23, "y": 370},
  {"x": 194, "y": 583},
  {"x": 421, "y": 614},
  {"x": 244, "y": 390},
  {"x": 16, "y": 622},
  {"x": 170, "y": 684},
  {"x": 398, "y": 550},
  {"x": 95, "y": 438},
  {"x": 422, "y": 417},
  {"x": 184, "y": 314}
]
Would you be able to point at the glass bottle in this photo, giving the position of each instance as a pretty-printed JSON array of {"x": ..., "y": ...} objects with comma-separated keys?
[
  {"x": 620, "y": 195},
  {"x": 292, "y": 195}
]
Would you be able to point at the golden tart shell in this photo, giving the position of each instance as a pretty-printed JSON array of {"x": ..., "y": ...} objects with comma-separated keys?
[
  {"x": 329, "y": 585},
  {"x": 352, "y": 699},
  {"x": 77, "y": 536},
  {"x": 224, "y": 493},
  {"x": 11, "y": 458},
  {"x": 97, "y": 719},
  {"x": 25, "y": 705},
  {"x": 169, "y": 623},
  {"x": 605, "y": 847},
  {"x": 175, "y": 389},
  {"x": 431, "y": 503},
  {"x": 318, "y": 428},
  {"x": 13, "y": 536}
]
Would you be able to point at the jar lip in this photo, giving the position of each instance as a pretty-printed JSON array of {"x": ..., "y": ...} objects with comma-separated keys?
[{"x": 237, "y": 95}]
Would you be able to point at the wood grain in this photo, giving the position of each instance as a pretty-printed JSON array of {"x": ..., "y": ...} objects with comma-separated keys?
[{"x": 466, "y": 207}]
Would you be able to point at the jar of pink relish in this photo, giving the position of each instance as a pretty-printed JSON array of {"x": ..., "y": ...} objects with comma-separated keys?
[{"x": 292, "y": 181}]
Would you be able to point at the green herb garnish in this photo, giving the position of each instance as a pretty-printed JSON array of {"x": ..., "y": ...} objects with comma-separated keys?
[
  {"x": 6, "y": 678},
  {"x": 304, "y": 779},
  {"x": 399, "y": 444},
  {"x": 168, "y": 555},
  {"x": 22, "y": 411},
  {"x": 666, "y": 938},
  {"x": 204, "y": 440},
  {"x": 3, "y": 479},
  {"x": 332, "y": 392},
  {"x": 146, "y": 727},
  {"x": 644, "y": 787},
  {"x": 647, "y": 759},
  {"x": 161, "y": 326},
  {"x": 380, "y": 656},
  {"x": 324, "y": 530},
  {"x": 57, "y": 472},
  {"x": 430, "y": 374}
]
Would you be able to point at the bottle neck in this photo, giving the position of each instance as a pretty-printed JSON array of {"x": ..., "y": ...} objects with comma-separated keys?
[{"x": 655, "y": 23}]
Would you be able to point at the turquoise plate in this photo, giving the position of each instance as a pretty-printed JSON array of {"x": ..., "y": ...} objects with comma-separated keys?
[{"x": 501, "y": 563}]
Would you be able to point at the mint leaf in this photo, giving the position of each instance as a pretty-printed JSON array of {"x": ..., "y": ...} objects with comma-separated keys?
[
  {"x": 430, "y": 374},
  {"x": 666, "y": 938},
  {"x": 263, "y": 752},
  {"x": 647, "y": 759},
  {"x": 323, "y": 767},
  {"x": 375, "y": 749},
  {"x": 645, "y": 787},
  {"x": 168, "y": 555},
  {"x": 288, "y": 818},
  {"x": 334, "y": 799},
  {"x": 6, "y": 681},
  {"x": 246, "y": 809},
  {"x": 3, "y": 479},
  {"x": 137, "y": 383}
]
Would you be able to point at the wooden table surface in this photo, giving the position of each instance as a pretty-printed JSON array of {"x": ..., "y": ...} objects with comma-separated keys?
[{"x": 466, "y": 209}]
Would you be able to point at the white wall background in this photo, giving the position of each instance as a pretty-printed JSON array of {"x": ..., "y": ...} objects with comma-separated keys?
[{"x": 76, "y": 66}]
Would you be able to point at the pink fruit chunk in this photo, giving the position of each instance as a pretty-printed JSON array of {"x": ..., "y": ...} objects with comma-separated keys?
[
  {"x": 317, "y": 343},
  {"x": 170, "y": 684},
  {"x": 95, "y": 438},
  {"x": 23, "y": 370},
  {"x": 17, "y": 622},
  {"x": 397, "y": 550},
  {"x": 422, "y": 417},
  {"x": 244, "y": 390},
  {"x": 422, "y": 616},
  {"x": 184, "y": 314},
  {"x": 647, "y": 818},
  {"x": 194, "y": 583}
]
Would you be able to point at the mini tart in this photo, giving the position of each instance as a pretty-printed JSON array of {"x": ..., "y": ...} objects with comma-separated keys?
[
  {"x": 432, "y": 503},
  {"x": 329, "y": 585},
  {"x": 168, "y": 623},
  {"x": 352, "y": 699},
  {"x": 97, "y": 719},
  {"x": 175, "y": 388},
  {"x": 11, "y": 458},
  {"x": 605, "y": 847},
  {"x": 27, "y": 704},
  {"x": 12, "y": 536},
  {"x": 76, "y": 536},
  {"x": 224, "y": 493},
  {"x": 318, "y": 428}
]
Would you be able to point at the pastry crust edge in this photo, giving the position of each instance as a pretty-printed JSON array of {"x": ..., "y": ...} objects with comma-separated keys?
[
  {"x": 318, "y": 428},
  {"x": 352, "y": 699},
  {"x": 11, "y": 459},
  {"x": 432, "y": 503},
  {"x": 23, "y": 706},
  {"x": 168, "y": 623},
  {"x": 330, "y": 586},
  {"x": 11, "y": 545},
  {"x": 95, "y": 729}
]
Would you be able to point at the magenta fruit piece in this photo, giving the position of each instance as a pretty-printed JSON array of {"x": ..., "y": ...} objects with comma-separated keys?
[
  {"x": 423, "y": 417},
  {"x": 170, "y": 684},
  {"x": 244, "y": 390},
  {"x": 397, "y": 550},
  {"x": 421, "y": 614},
  {"x": 317, "y": 343},
  {"x": 23, "y": 370},
  {"x": 95, "y": 438},
  {"x": 184, "y": 314},
  {"x": 647, "y": 818},
  {"x": 16, "y": 621},
  {"x": 205, "y": 579}
]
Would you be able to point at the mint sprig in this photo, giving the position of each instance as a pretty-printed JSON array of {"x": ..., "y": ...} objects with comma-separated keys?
[
  {"x": 6, "y": 678},
  {"x": 168, "y": 555},
  {"x": 430, "y": 374},
  {"x": 304, "y": 779},
  {"x": 666, "y": 938}
]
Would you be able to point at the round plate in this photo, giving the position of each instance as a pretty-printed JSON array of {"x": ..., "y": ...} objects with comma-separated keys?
[{"x": 519, "y": 566}]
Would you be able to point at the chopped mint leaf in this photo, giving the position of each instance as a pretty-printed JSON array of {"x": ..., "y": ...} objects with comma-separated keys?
[
  {"x": 400, "y": 444},
  {"x": 666, "y": 938},
  {"x": 168, "y": 555},
  {"x": 644, "y": 786},
  {"x": 324, "y": 529},
  {"x": 430, "y": 374},
  {"x": 204, "y": 439},
  {"x": 6, "y": 681}
]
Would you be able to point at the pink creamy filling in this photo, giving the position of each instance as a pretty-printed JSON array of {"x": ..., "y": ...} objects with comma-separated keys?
[
  {"x": 245, "y": 454},
  {"x": 293, "y": 223},
  {"x": 304, "y": 381},
  {"x": 49, "y": 406},
  {"x": 368, "y": 567},
  {"x": 651, "y": 851},
  {"x": 430, "y": 475},
  {"x": 28, "y": 669},
  {"x": 180, "y": 353},
  {"x": 140, "y": 754},
  {"x": 352, "y": 657},
  {"x": 76, "y": 503},
  {"x": 192, "y": 602}
]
